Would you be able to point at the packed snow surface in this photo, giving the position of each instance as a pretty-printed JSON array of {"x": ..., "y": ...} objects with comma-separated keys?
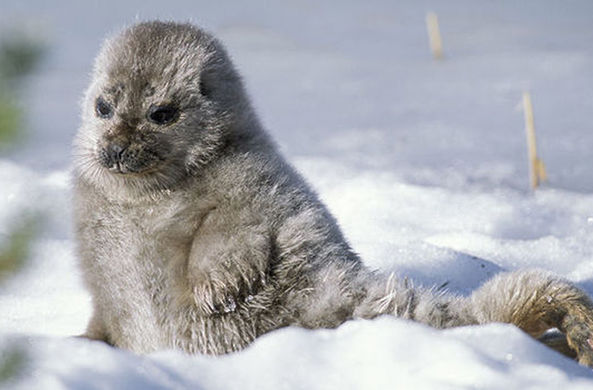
[{"x": 422, "y": 162}]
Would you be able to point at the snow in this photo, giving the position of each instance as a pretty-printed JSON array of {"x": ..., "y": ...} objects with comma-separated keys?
[{"x": 423, "y": 163}]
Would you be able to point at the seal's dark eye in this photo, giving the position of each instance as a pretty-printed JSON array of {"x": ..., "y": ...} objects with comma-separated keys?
[
  {"x": 103, "y": 109},
  {"x": 162, "y": 115}
]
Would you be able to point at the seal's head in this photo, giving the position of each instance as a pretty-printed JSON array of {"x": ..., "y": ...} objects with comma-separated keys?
[{"x": 163, "y": 102}]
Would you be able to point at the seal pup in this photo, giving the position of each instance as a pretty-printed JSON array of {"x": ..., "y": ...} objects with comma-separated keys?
[{"x": 194, "y": 233}]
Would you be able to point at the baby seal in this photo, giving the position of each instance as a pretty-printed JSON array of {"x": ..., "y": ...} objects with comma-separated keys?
[{"x": 194, "y": 233}]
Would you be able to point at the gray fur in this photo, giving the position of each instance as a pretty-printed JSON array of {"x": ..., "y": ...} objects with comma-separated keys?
[{"x": 200, "y": 236}]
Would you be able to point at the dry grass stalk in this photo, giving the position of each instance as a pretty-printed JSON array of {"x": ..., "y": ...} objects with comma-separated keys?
[
  {"x": 434, "y": 35},
  {"x": 537, "y": 171}
]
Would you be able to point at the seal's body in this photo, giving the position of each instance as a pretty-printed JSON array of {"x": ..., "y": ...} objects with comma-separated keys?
[{"x": 194, "y": 233}]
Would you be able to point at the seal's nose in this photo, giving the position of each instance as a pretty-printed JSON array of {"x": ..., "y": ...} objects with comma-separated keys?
[
  {"x": 111, "y": 155},
  {"x": 115, "y": 151}
]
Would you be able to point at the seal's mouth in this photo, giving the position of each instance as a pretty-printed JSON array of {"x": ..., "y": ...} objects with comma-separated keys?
[
  {"x": 132, "y": 159},
  {"x": 120, "y": 169}
]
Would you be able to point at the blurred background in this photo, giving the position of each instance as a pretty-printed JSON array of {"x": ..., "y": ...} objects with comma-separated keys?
[{"x": 355, "y": 81}]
